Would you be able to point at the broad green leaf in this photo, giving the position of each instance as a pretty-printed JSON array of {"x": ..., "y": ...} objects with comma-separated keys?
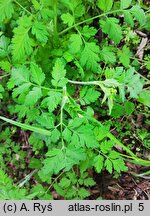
[
  {"x": 64, "y": 182},
  {"x": 89, "y": 56},
  {"x": 59, "y": 73},
  {"x": 101, "y": 132},
  {"x": 67, "y": 134},
  {"x": 144, "y": 98},
  {"x": 113, "y": 155},
  {"x": 36, "y": 143},
  {"x": 6, "y": 9},
  {"x": 91, "y": 96},
  {"x": 4, "y": 46},
  {"x": 55, "y": 135},
  {"x": 106, "y": 146},
  {"x": 21, "y": 42},
  {"x": 37, "y": 74},
  {"x": 27, "y": 127},
  {"x": 74, "y": 155},
  {"x": 111, "y": 27},
  {"x": 107, "y": 55},
  {"x": 5, "y": 65},
  {"x": 46, "y": 120},
  {"x": 98, "y": 163},
  {"x": 84, "y": 136},
  {"x": 33, "y": 96},
  {"x": 117, "y": 110},
  {"x": 129, "y": 107},
  {"x": 40, "y": 31},
  {"x": 67, "y": 19},
  {"x": 83, "y": 193},
  {"x": 35, "y": 163},
  {"x": 128, "y": 18},
  {"x": 52, "y": 101},
  {"x": 62, "y": 159},
  {"x": 88, "y": 32},
  {"x": 21, "y": 75},
  {"x": 75, "y": 43},
  {"x": 119, "y": 165},
  {"x": 36, "y": 5},
  {"x": 21, "y": 89},
  {"x": 134, "y": 83},
  {"x": 89, "y": 182},
  {"x": 124, "y": 56},
  {"x": 54, "y": 163},
  {"x": 139, "y": 14},
  {"x": 105, "y": 5},
  {"x": 108, "y": 165},
  {"x": 125, "y": 3},
  {"x": 76, "y": 7},
  {"x": 76, "y": 122}
]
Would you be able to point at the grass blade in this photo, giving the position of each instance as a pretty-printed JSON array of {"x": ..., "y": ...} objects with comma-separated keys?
[{"x": 27, "y": 127}]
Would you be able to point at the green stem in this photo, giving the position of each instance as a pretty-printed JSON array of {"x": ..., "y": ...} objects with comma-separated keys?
[
  {"x": 112, "y": 137},
  {"x": 148, "y": 81},
  {"x": 23, "y": 7},
  {"x": 83, "y": 83},
  {"x": 118, "y": 142},
  {"x": 6, "y": 75},
  {"x": 54, "y": 181},
  {"x": 55, "y": 23},
  {"x": 46, "y": 88},
  {"x": 88, "y": 20},
  {"x": 64, "y": 100}
]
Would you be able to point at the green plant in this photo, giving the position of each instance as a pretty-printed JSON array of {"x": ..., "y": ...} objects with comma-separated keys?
[{"x": 58, "y": 74}]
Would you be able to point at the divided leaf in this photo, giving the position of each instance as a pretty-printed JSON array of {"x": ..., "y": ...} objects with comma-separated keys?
[
  {"x": 128, "y": 18},
  {"x": 21, "y": 89},
  {"x": 40, "y": 31},
  {"x": 119, "y": 165},
  {"x": 59, "y": 159},
  {"x": 75, "y": 43},
  {"x": 89, "y": 56},
  {"x": 134, "y": 83},
  {"x": 52, "y": 101},
  {"x": 54, "y": 163},
  {"x": 6, "y": 9},
  {"x": 33, "y": 96},
  {"x": 84, "y": 136},
  {"x": 21, "y": 75},
  {"x": 37, "y": 74},
  {"x": 21, "y": 42},
  {"x": 107, "y": 55},
  {"x": 88, "y": 32},
  {"x": 59, "y": 73},
  {"x": 105, "y": 5},
  {"x": 125, "y": 3},
  {"x": 111, "y": 27},
  {"x": 139, "y": 14},
  {"x": 67, "y": 19},
  {"x": 98, "y": 163},
  {"x": 124, "y": 56},
  {"x": 46, "y": 120},
  {"x": 91, "y": 96}
]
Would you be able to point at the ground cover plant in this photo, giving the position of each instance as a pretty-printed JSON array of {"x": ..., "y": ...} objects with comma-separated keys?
[{"x": 74, "y": 96}]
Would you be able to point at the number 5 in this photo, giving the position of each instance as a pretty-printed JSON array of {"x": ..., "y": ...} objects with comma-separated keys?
[{"x": 141, "y": 206}]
